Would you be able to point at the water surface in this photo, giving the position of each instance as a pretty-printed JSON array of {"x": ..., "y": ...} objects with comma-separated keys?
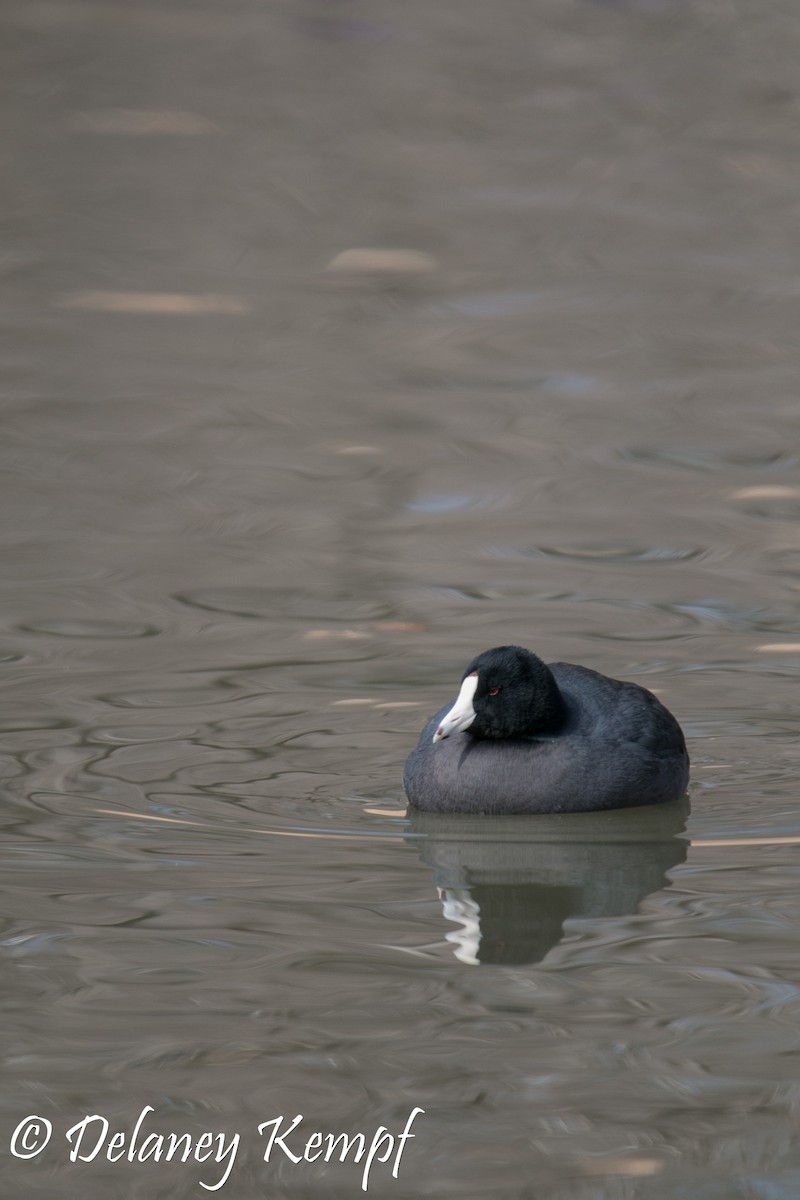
[{"x": 263, "y": 501}]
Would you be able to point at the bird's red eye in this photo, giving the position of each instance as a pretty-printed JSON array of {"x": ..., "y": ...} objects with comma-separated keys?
[{"x": 493, "y": 691}]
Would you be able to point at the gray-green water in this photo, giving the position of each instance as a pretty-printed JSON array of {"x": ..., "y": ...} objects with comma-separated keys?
[{"x": 261, "y": 503}]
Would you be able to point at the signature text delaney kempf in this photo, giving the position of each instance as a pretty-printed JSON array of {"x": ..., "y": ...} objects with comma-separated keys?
[{"x": 283, "y": 1138}]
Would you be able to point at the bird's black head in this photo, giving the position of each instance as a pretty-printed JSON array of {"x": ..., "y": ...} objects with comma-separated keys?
[{"x": 505, "y": 693}]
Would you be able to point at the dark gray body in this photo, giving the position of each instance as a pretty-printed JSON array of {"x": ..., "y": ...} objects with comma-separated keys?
[{"x": 620, "y": 747}]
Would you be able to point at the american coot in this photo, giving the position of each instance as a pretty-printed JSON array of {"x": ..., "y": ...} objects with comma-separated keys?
[{"x": 523, "y": 737}]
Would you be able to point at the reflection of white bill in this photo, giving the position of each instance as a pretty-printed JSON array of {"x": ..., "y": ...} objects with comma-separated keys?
[{"x": 458, "y": 906}]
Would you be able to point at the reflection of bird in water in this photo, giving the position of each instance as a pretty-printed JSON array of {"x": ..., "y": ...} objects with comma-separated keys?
[
  {"x": 510, "y": 885},
  {"x": 522, "y": 737}
]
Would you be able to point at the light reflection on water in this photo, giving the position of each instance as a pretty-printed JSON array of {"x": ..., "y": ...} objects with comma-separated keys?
[{"x": 259, "y": 512}]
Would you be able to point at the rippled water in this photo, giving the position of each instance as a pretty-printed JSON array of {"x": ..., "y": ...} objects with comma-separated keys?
[{"x": 264, "y": 497}]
